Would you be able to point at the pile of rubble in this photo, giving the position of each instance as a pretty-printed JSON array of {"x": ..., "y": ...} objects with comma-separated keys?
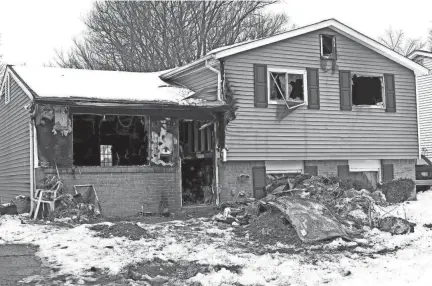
[
  {"x": 74, "y": 209},
  {"x": 318, "y": 208}
]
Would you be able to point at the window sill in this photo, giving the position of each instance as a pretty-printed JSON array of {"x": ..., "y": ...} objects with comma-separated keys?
[
  {"x": 368, "y": 107},
  {"x": 288, "y": 101}
]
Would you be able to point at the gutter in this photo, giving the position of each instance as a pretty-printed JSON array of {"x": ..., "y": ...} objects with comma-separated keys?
[
  {"x": 218, "y": 72},
  {"x": 178, "y": 70}
]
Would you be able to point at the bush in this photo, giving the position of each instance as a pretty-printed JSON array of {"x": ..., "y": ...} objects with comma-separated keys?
[
  {"x": 347, "y": 184},
  {"x": 398, "y": 190}
]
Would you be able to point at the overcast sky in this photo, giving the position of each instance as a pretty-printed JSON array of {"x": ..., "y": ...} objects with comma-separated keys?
[{"x": 32, "y": 29}]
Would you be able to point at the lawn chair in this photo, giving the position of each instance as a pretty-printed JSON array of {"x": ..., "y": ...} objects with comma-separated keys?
[{"x": 41, "y": 196}]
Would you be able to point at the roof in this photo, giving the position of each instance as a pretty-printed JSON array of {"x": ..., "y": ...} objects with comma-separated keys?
[
  {"x": 417, "y": 53},
  {"x": 330, "y": 23},
  {"x": 111, "y": 86}
]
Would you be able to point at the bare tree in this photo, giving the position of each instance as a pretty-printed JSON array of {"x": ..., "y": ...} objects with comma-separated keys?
[
  {"x": 2, "y": 64},
  {"x": 396, "y": 41},
  {"x": 156, "y": 35}
]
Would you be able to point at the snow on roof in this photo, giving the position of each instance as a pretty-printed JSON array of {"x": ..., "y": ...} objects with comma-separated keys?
[{"x": 62, "y": 83}]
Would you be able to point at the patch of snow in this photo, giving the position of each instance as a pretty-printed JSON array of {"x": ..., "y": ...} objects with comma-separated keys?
[{"x": 49, "y": 82}]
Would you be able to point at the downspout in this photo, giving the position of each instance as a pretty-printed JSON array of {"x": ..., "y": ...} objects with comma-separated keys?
[
  {"x": 32, "y": 174},
  {"x": 418, "y": 122},
  {"x": 219, "y": 79}
]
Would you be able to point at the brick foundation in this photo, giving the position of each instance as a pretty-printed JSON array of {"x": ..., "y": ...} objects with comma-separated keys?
[
  {"x": 123, "y": 191},
  {"x": 232, "y": 183}
]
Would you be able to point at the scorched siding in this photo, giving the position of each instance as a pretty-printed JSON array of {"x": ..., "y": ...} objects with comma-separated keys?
[
  {"x": 14, "y": 144},
  {"x": 425, "y": 112},
  {"x": 325, "y": 134}
]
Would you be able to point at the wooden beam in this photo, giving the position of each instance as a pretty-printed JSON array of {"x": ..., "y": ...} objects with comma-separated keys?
[
  {"x": 190, "y": 139},
  {"x": 195, "y": 135},
  {"x": 203, "y": 138}
]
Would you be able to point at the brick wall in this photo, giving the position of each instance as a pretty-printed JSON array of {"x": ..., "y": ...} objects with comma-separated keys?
[
  {"x": 122, "y": 191},
  {"x": 232, "y": 183},
  {"x": 402, "y": 168}
]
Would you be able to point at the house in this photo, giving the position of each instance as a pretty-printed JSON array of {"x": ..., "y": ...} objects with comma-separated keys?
[
  {"x": 424, "y": 89},
  {"x": 322, "y": 99},
  {"x": 116, "y": 130}
]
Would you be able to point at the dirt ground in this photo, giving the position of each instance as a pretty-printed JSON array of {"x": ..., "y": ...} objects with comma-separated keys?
[{"x": 18, "y": 262}]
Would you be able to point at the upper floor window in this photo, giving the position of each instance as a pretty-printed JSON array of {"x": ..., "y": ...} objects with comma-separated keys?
[
  {"x": 328, "y": 46},
  {"x": 5, "y": 89},
  {"x": 286, "y": 85},
  {"x": 368, "y": 90}
]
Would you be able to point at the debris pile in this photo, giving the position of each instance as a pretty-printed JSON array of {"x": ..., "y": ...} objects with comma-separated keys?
[
  {"x": 130, "y": 230},
  {"x": 74, "y": 209},
  {"x": 317, "y": 207}
]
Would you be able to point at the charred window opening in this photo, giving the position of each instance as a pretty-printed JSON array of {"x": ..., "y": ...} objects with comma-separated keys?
[
  {"x": 197, "y": 154},
  {"x": 328, "y": 46},
  {"x": 286, "y": 86},
  {"x": 110, "y": 140},
  {"x": 367, "y": 90}
]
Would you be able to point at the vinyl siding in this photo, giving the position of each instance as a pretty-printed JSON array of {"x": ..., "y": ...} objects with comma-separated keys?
[
  {"x": 198, "y": 80},
  {"x": 425, "y": 112},
  {"x": 329, "y": 133},
  {"x": 427, "y": 63},
  {"x": 14, "y": 145}
]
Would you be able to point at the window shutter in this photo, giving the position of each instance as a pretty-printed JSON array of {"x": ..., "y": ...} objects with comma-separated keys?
[
  {"x": 260, "y": 85},
  {"x": 343, "y": 171},
  {"x": 345, "y": 90},
  {"x": 259, "y": 181},
  {"x": 390, "y": 93},
  {"x": 387, "y": 172},
  {"x": 313, "y": 88},
  {"x": 311, "y": 170}
]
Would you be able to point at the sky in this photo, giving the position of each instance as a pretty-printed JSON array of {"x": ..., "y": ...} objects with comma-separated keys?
[{"x": 31, "y": 30}]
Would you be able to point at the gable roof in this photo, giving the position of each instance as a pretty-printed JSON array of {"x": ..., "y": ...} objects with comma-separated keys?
[
  {"x": 330, "y": 23},
  {"x": 48, "y": 83},
  {"x": 417, "y": 53}
]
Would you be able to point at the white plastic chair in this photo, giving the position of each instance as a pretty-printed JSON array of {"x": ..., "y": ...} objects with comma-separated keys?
[{"x": 37, "y": 198}]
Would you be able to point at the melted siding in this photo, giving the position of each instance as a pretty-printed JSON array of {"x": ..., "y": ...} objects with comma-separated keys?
[
  {"x": 425, "y": 111},
  {"x": 328, "y": 133},
  {"x": 14, "y": 145},
  {"x": 201, "y": 80}
]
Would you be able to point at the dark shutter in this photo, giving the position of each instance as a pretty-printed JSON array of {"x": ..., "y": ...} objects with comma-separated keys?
[
  {"x": 345, "y": 90},
  {"x": 387, "y": 172},
  {"x": 390, "y": 94},
  {"x": 313, "y": 88},
  {"x": 343, "y": 171},
  {"x": 260, "y": 85},
  {"x": 259, "y": 181},
  {"x": 311, "y": 170}
]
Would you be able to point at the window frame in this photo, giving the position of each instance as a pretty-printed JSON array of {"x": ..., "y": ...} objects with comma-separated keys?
[
  {"x": 149, "y": 144},
  {"x": 287, "y": 72},
  {"x": 332, "y": 56},
  {"x": 383, "y": 91}
]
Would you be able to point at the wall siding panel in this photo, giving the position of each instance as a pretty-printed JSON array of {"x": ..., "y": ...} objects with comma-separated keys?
[
  {"x": 14, "y": 145},
  {"x": 327, "y": 134},
  {"x": 203, "y": 79},
  {"x": 425, "y": 112}
]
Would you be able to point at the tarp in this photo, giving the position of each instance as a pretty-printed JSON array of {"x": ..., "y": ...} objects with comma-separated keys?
[{"x": 311, "y": 220}]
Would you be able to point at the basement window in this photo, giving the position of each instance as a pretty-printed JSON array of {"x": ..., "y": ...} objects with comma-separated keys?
[
  {"x": 110, "y": 140},
  {"x": 286, "y": 86},
  {"x": 367, "y": 90},
  {"x": 328, "y": 46}
]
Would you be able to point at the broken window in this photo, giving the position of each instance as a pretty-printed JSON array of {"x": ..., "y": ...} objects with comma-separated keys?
[
  {"x": 328, "y": 46},
  {"x": 286, "y": 86},
  {"x": 110, "y": 140},
  {"x": 367, "y": 90}
]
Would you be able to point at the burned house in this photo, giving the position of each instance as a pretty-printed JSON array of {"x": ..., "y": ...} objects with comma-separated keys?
[
  {"x": 322, "y": 99},
  {"x": 125, "y": 133}
]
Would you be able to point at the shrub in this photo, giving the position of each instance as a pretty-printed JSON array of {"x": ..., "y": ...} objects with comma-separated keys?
[{"x": 398, "y": 190}]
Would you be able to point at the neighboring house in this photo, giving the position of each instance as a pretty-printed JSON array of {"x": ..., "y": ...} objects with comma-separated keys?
[
  {"x": 116, "y": 130},
  {"x": 424, "y": 90},
  {"x": 354, "y": 116},
  {"x": 322, "y": 99}
]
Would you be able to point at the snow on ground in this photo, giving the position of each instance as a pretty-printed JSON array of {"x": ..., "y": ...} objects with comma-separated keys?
[{"x": 73, "y": 251}]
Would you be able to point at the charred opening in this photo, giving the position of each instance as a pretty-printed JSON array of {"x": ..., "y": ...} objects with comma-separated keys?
[
  {"x": 110, "y": 140},
  {"x": 196, "y": 152},
  {"x": 367, "y": 90}
]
